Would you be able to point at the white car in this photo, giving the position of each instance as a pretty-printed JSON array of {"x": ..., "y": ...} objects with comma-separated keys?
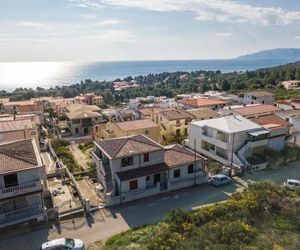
[
  {"x": 291, "y": 183},
  {"x": 63, "y": 244}
]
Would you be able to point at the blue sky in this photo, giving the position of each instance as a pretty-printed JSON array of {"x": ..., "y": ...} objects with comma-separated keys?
[{"x": 105, "y": 30}]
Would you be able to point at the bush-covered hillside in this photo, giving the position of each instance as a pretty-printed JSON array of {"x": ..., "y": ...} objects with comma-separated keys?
[
  {"x": 263, "y": 217},
  {"x": 170, "y": 84}
]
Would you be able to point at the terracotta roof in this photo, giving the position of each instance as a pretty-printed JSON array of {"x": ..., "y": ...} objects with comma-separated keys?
[
  {"x": 31, "y": 108},
  {"x": 18, "y": 156},
  {"x": 271, "y": 122},
  {"x": 143, "y": 171},
  {"x": 174, "y": 114},
  {"x": 255, "y": 110},
  {"x": 126, "y": 146},
  {"x": 178, "y": 155},
  {"x": 136, "y": 124},
  {"x": 148, "y": 111},
  {"x": 14, "y": 125},
  {"x": 203, "y": 113},
  {"x": 260, "y": 93},
  {"x": 78, "y": 111},
  {"x": 201, "y": 102}
]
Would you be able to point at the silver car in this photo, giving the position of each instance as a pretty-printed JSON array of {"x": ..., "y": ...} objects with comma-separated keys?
[
  {"x": 63, "y": 244},
  {"x": 219, "y": 180}
]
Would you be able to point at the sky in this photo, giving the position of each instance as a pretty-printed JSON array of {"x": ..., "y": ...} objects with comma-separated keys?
[{"x": 116, "y": 30}]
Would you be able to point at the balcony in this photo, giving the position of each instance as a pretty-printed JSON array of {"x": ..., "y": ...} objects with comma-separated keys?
[
  {"x": 21, "y": 215},
  {"x": 215, "y": 141},
  {"x": 20, "y": 189}
]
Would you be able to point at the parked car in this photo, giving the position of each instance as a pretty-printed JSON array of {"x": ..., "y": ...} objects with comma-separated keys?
[
  {"x": 219, "y": 180},
  {"x": 63, "y": 244},
  {"x": 291, "y": 183}
]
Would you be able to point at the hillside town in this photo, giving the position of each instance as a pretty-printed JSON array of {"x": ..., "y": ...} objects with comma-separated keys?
[{"x": 64, "y": 158}]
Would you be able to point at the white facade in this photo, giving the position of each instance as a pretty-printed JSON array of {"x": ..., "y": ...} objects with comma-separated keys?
[
  {"x": 258, "y": 98},
  {"x": 143, "y": 178},
  {"x": 228, "y": 140},
  {"x": 21, "y": 196}
]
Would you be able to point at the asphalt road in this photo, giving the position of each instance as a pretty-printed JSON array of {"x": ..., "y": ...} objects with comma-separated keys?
[{"x": 106, "y": 223}]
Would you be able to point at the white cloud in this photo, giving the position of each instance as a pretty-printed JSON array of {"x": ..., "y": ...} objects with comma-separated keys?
[
  {"x": 222, "y": 34},
  {"x": 108, "y": 22},
  {"x": 114, "y": 35},
  {"x": 214, "y": 10},
  {"x": 297, "y": 37},
  {"x": 29, "y": 24},
  {"x": 86, "y": 4},
  {"x": 88, "y": 16}
]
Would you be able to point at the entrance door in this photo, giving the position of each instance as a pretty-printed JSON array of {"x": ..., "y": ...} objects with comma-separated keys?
[{"x": 156, "y": 178}]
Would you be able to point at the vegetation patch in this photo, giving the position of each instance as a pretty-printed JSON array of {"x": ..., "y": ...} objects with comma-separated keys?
[
  {"x": 63, "y": 152},
  {"x": 263, "y": 217}
]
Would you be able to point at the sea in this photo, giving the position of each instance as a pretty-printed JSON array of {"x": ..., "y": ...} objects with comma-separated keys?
[{"x": 50, "y": 74}]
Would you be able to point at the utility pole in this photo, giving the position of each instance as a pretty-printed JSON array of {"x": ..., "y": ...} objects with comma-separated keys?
[
  {"x": 230, "y": 172},
  {"x": 195, "y": 154}
]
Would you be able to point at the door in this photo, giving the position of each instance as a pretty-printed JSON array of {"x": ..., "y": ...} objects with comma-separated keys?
[{"x": 156, "y": 178}]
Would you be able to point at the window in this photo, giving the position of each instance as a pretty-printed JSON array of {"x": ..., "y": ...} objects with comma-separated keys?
[
  {"x": 97, "y": 129},
  {"x": 176, "y": 173},
  {"x": 10, "y": 180},
  {"x": 76, "y": 130},
  {"x": 133, "y": 185},
  {"x": 191, "y": 169},
  {"x": 146, "y": 157},
  {"x": 148, "y": 178},
  {"x": 128, "y": 161},
  {"x": 147, "y": 132}
]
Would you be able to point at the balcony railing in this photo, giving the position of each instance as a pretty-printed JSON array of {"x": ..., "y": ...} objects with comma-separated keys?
[
  {"x": 20, "y": 189},
  {"x": 20, "y": 215}
]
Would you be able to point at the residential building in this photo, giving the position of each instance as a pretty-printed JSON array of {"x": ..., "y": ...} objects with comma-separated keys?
[
  {"x": 82, "y": 118},
  {"x": 231, "y": 140},
  {"x": 123, "y": 85},
  {"x": 258, "y": 97},
  {"x": 203, "y": 113},
  {"x": 173, "y": 124},
  {"x": 291, "y": 84},
  {"x": 278, "y": 129},
  {"x": 22, "y": 183},
  {"x": 148, "y": 113},
  {"x": 192, "y": 103},
  {"x": 126, "y": 115},
  {"x": 12, "y": 130},
  {"x": 292, "y": 116},
  {"x": 250, "y": 111},
  {"x": 122, "y": 129},
  {"x": 89, "y": 99},
  {"x": 284, "y": 104},
  {"x": 135, "y": 167}
]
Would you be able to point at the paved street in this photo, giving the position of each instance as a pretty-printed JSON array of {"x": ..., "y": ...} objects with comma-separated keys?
[{"x": 107, "y": 223}]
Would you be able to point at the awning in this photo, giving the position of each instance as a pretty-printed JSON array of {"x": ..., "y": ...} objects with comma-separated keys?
[{"x": 259, "y": 132}]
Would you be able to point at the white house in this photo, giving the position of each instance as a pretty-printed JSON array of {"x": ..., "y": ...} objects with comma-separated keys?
[
  {"x": 259, "y": 97},
  {"x": 231, "y": 140},
  {"x": 22, "y": 183},
  {"x": 135, "y": 167}
]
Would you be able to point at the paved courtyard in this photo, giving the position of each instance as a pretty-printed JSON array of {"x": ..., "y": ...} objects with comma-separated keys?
[{"x": 106, "y": 223}]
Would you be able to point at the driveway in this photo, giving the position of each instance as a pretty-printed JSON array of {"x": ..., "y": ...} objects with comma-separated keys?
[{"x": 106, "y": 223}]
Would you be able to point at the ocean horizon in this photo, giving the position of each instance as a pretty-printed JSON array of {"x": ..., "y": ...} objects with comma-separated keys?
[{"x": 50, "y": 74}]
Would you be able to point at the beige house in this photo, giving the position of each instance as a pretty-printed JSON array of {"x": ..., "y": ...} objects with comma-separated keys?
[
  {"x": 13, "y": 130},
  {"x": 121, "y": 129},
  {"x": 22, "y": 183},
  {"x": 82, "y": 118},
  {"x": 89, "y": 99},
  {"x": 173, "y": 124},
  {"x": 135, "y": 167}
]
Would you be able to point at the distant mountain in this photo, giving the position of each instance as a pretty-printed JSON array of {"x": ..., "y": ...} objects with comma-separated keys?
[{"x": 287, "y": 55}]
